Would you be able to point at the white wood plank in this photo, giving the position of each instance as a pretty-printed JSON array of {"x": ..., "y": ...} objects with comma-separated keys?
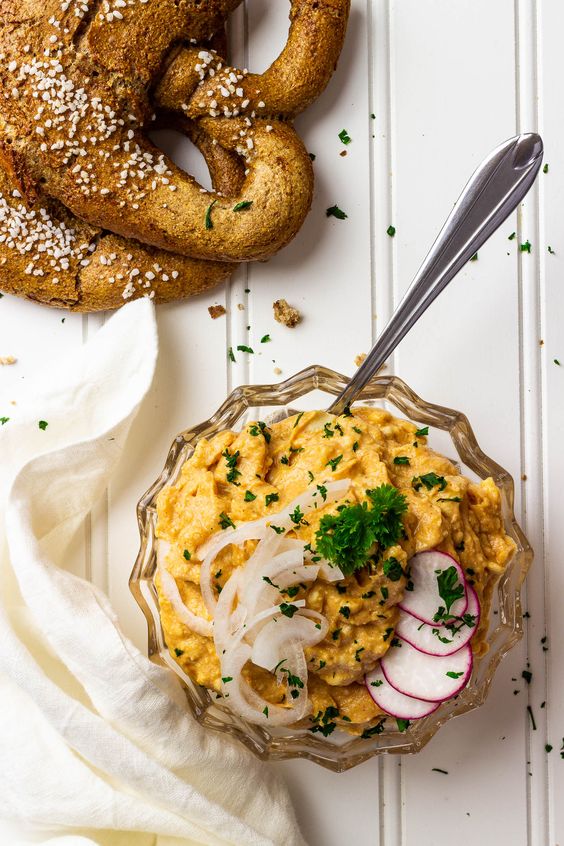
[
  {"x": 551, "y": 24},
  {"x": 450, "y": 109},
  {"x": 326, "y": 273}
]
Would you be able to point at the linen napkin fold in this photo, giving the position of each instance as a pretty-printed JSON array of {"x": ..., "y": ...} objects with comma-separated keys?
[{"x": 94, "y": 738}]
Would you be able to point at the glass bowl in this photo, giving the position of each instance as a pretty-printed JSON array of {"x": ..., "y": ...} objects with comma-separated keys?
[{"x": 451, "y": 433}]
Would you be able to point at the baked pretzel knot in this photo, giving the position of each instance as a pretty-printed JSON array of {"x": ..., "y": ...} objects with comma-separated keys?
[{"x": 91, "y": 212}]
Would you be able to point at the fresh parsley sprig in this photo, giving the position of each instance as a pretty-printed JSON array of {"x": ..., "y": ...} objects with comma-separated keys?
[{"x": 345, "y": 539}]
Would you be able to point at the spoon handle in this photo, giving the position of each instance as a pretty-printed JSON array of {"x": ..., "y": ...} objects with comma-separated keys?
[{"x": 493, "y": 192}]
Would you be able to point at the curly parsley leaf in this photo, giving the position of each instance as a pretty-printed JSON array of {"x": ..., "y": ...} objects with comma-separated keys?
[{"x": 346, "y": 539}]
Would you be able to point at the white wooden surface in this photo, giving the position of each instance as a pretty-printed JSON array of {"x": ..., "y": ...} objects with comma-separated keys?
[{"x": 446, "y": 80}]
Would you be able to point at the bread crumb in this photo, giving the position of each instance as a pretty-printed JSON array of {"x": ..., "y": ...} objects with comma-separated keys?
[
  {"x": 277, "y": 371},
  {"x": 7, "y": 359},
  {"x": 286, "y": 314},
  {"x": 358, "y": 359},
  {"x": 216, "y": 311},
  {"x": 240, "y": 306}
]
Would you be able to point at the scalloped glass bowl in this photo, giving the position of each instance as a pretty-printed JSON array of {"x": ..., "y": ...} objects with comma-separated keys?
[{"x": 451, "y": 432}]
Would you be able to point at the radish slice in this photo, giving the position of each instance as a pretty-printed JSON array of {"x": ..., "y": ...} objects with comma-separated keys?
[
  {"x": 429, "y": 677},
  {"x": 393, "y": 702},
  {"x": 440, "y": 640},
  {"x": 424, "y": 601}
]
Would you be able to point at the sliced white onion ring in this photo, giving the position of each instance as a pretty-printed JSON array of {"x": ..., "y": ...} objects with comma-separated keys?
[{"x": 170, "y": 590}]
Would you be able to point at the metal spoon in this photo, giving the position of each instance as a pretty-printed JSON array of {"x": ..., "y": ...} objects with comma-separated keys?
[{"x": 493, "y": 192}]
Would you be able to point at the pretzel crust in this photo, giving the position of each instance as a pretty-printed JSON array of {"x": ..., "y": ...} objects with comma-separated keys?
[{"x": 83, "y": 81}]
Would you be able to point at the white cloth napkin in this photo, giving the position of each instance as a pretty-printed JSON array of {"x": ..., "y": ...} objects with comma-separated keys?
[{"x": 94, "y": 738}]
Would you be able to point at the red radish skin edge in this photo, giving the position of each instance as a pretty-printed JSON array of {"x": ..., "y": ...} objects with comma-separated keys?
[
  {"x": 404, "y": 715},
  {"x": 472, "y": 630},
  {"x": 461, "y": 576},
  {"x": 463, "y": 683}
]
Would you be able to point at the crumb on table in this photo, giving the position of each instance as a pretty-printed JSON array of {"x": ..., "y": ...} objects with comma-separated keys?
[
  {"x": 358, "y": 359},
  {"x": 7, "y": 359},
  {"x": 286, "y": 314},
  {"x": 216, "y": 311}
]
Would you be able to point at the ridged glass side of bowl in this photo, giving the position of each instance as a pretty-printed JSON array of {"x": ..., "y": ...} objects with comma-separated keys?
[{"x": 338, "y": 752}]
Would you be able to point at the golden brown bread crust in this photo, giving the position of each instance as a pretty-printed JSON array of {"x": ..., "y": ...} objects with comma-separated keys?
[{"x": 76, "y": 78}]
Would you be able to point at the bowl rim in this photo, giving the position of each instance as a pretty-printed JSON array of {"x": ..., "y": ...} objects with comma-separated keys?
[{"x": 269, "y": 745}]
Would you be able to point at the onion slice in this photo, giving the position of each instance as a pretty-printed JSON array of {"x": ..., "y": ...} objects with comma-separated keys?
[{"x": 170, "y": 590}]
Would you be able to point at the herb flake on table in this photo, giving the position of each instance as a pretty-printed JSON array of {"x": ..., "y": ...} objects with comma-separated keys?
[
  {"x": 512, "y": 236},
  {"x": 335, "y": 211},
  {"x": 245, "y": 348},
  {"x": 545, "y": 169},
  {"x": 531, "y": 715},
  {"x": 551, "y": 251},
  {"x": 231, "y": 354},
  {"x": 43, "y": 425},
  {"x": 4, "y": 420},
  {"x": 438, "y": 770},
  {"x": 344, "y": 136},
  {"x": 526, "y": 247},
  {"x": 391, "y": 231},
  {"x": 557, "y": 362},
  {"x": 265, "y": 339}
]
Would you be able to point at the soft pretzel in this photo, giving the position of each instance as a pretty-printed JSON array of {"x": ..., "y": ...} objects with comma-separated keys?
[
  {"x": 76, "y": 85},
  {"x": 48, "y": 255}
]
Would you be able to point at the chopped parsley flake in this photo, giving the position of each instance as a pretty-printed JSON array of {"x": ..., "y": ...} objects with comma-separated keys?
[
  {"x": 392, "y": 569},
  {"x": 265, "y": 339},
  {"x": 231, "y": 354},
  {"x": 260, "y": 428},
  {"x": 178, "y": 652},
  {"x": 328, "y": 431},
  {"x": 545, "y": 169},
  {"x": 345, "y": 611},
  {"x": 377, "y": 729},
  {"x": 403, "y": 725},
  {"x": 4, "y": 420},
  {"x": 333, "y": 462},
  {"x": 357, "y": 653},
  {"x": 250, "y": 496},
  {"x": 335, "y": 211},
  {"x": 474, "y": 257},
  {"x": 226, "y": 679},
  {"x": 187, "y": 555},
  {"x": 245, "y": 348},
  {"x": 270, "y": 498},
  {"x": 557, "y": 362},
  {"x": 377, "y": 683},
  {"x": 208, "y": 218},
  {"x": 265, "y": 711},
  {"x": 391, "y": 231},
  {"x": 243, "y": 205},
  {"x": 452, "y": 675},
  {"x": 512, "y": 236},
  {"x": 527, "y": 675},
  {"x": 420, "y": 433},
  {"x": 323, "y": 491},
  {"x": 526, "y": 247},
  {"x": 344, "y": 136},
  {"x": 429, "y": 480},
  {"x": 298, "y": 418},
  {"x": 277, "y": 529},
  {"x": 231, "y": 460},
  {"x": 335, "y": 634},
  {"x": 225, "y": 521},
  {"x": 401, "y": 459},
  {"x": 450, "y": 589},
  {"x": 288, "y": 610}
]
